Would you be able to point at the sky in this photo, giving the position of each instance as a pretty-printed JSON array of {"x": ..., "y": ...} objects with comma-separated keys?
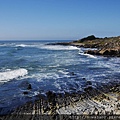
[{"x": 58, "y": 19}]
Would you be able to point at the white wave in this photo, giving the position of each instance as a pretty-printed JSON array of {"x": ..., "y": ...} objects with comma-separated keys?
[
  {"x": 111, "y": 65},
  {"x": 63, "y": 72},
  {"x": 91, "y": 56},
  {"x": 59, "y": 47},
  {"x": 7, "y": 44},
  {"x": 53, "y": 75},
  {"x": 81, "y": 53},
  {"x": 88, "y": 55},
  {"x": 54, "y": 66},
  {"x": 11, "y": 74},
  {"x": 21, "y": 45},
  {"x": 49, "y": 76},
  {"x": 29, "y": 45}
]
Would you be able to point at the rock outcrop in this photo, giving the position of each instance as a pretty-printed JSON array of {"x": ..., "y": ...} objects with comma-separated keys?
[
  {"x": 101, "y": 101},
  {"x": 105, "y": 46}
]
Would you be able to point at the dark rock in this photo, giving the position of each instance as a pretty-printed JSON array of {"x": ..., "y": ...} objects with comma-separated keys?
[
  {"x": 104, "y": 52},
  {"x": 72, "y": 73},
  {"x": 25, "y": 85},
  {"x": 25, "y": 93},
  {"x": 29, "y": 87},
  {"x": 89, "y": 83},
  {"x": 84, "y": 78},
  {"x": 51, "y": 97},
  {"x": 91, "y": 37},
  {"x": 88, "y": 88},
  {"x": 92, "y": 52},
  {"x": 110, "y": 52}
]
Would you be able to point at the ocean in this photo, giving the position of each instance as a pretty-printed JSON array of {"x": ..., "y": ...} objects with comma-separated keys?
[{"x": 49, "y": 68}]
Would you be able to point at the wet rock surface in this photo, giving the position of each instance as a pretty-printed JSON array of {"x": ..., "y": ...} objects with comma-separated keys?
[{"x": 93, "y": 101}]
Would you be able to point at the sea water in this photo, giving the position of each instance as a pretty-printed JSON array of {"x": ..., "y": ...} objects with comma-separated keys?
[{"x": 49, "y": 68}]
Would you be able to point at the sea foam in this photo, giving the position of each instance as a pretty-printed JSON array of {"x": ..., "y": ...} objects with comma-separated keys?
[
  {"x": 59, "y": 47},
  {"x": 21, "y": 45},
  {"x": 11, "y": 74},
  {"x": 88, "y": 55}
]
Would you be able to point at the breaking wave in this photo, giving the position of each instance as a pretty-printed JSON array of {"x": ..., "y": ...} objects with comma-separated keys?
[
  {"x": 59, "y": 47},
  {"x": 11, "y": 74},
  {"x": 88, "y": 55},
  {"x": 21, "y": 45}
]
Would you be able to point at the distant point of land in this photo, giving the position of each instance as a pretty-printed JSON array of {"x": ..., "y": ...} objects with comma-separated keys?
[{"x": 108, "y": 46}]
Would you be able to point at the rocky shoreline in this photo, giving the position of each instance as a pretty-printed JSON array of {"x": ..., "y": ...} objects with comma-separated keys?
[
  {"x": 102, "y": 101},
  {"x": 109, "y": 47}
]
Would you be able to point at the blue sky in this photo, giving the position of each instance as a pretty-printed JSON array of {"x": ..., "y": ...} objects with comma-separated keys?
[{"x": 58, "y": 19}]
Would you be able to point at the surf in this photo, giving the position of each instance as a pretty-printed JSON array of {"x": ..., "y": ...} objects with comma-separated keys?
[
  {"x": 59, "y": 47},
  {"x": 88, "y": 55},
  {"x": 12, "y": 74}
]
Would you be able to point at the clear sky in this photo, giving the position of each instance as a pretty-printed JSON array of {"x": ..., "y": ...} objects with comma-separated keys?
[{"x": 58, "y": 19}]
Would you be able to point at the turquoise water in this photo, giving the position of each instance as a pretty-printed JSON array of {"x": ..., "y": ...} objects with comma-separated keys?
[{"x": 47, "y": 67}]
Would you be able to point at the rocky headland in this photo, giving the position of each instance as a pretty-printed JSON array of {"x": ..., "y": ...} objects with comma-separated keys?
[{"x": 108, "y": 46}]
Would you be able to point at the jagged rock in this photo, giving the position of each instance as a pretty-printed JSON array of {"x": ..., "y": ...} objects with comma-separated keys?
[
  {"x": 104, "y": 52},
  {"x": 110, "y": 52},
  {"x": 92, "y": 52}
]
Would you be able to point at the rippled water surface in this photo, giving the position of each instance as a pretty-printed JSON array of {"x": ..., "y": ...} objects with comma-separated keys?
[{"x": 47, "y": 67}]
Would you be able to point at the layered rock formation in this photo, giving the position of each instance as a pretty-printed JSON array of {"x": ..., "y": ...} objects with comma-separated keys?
[{"x": 100, "y": 102}]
